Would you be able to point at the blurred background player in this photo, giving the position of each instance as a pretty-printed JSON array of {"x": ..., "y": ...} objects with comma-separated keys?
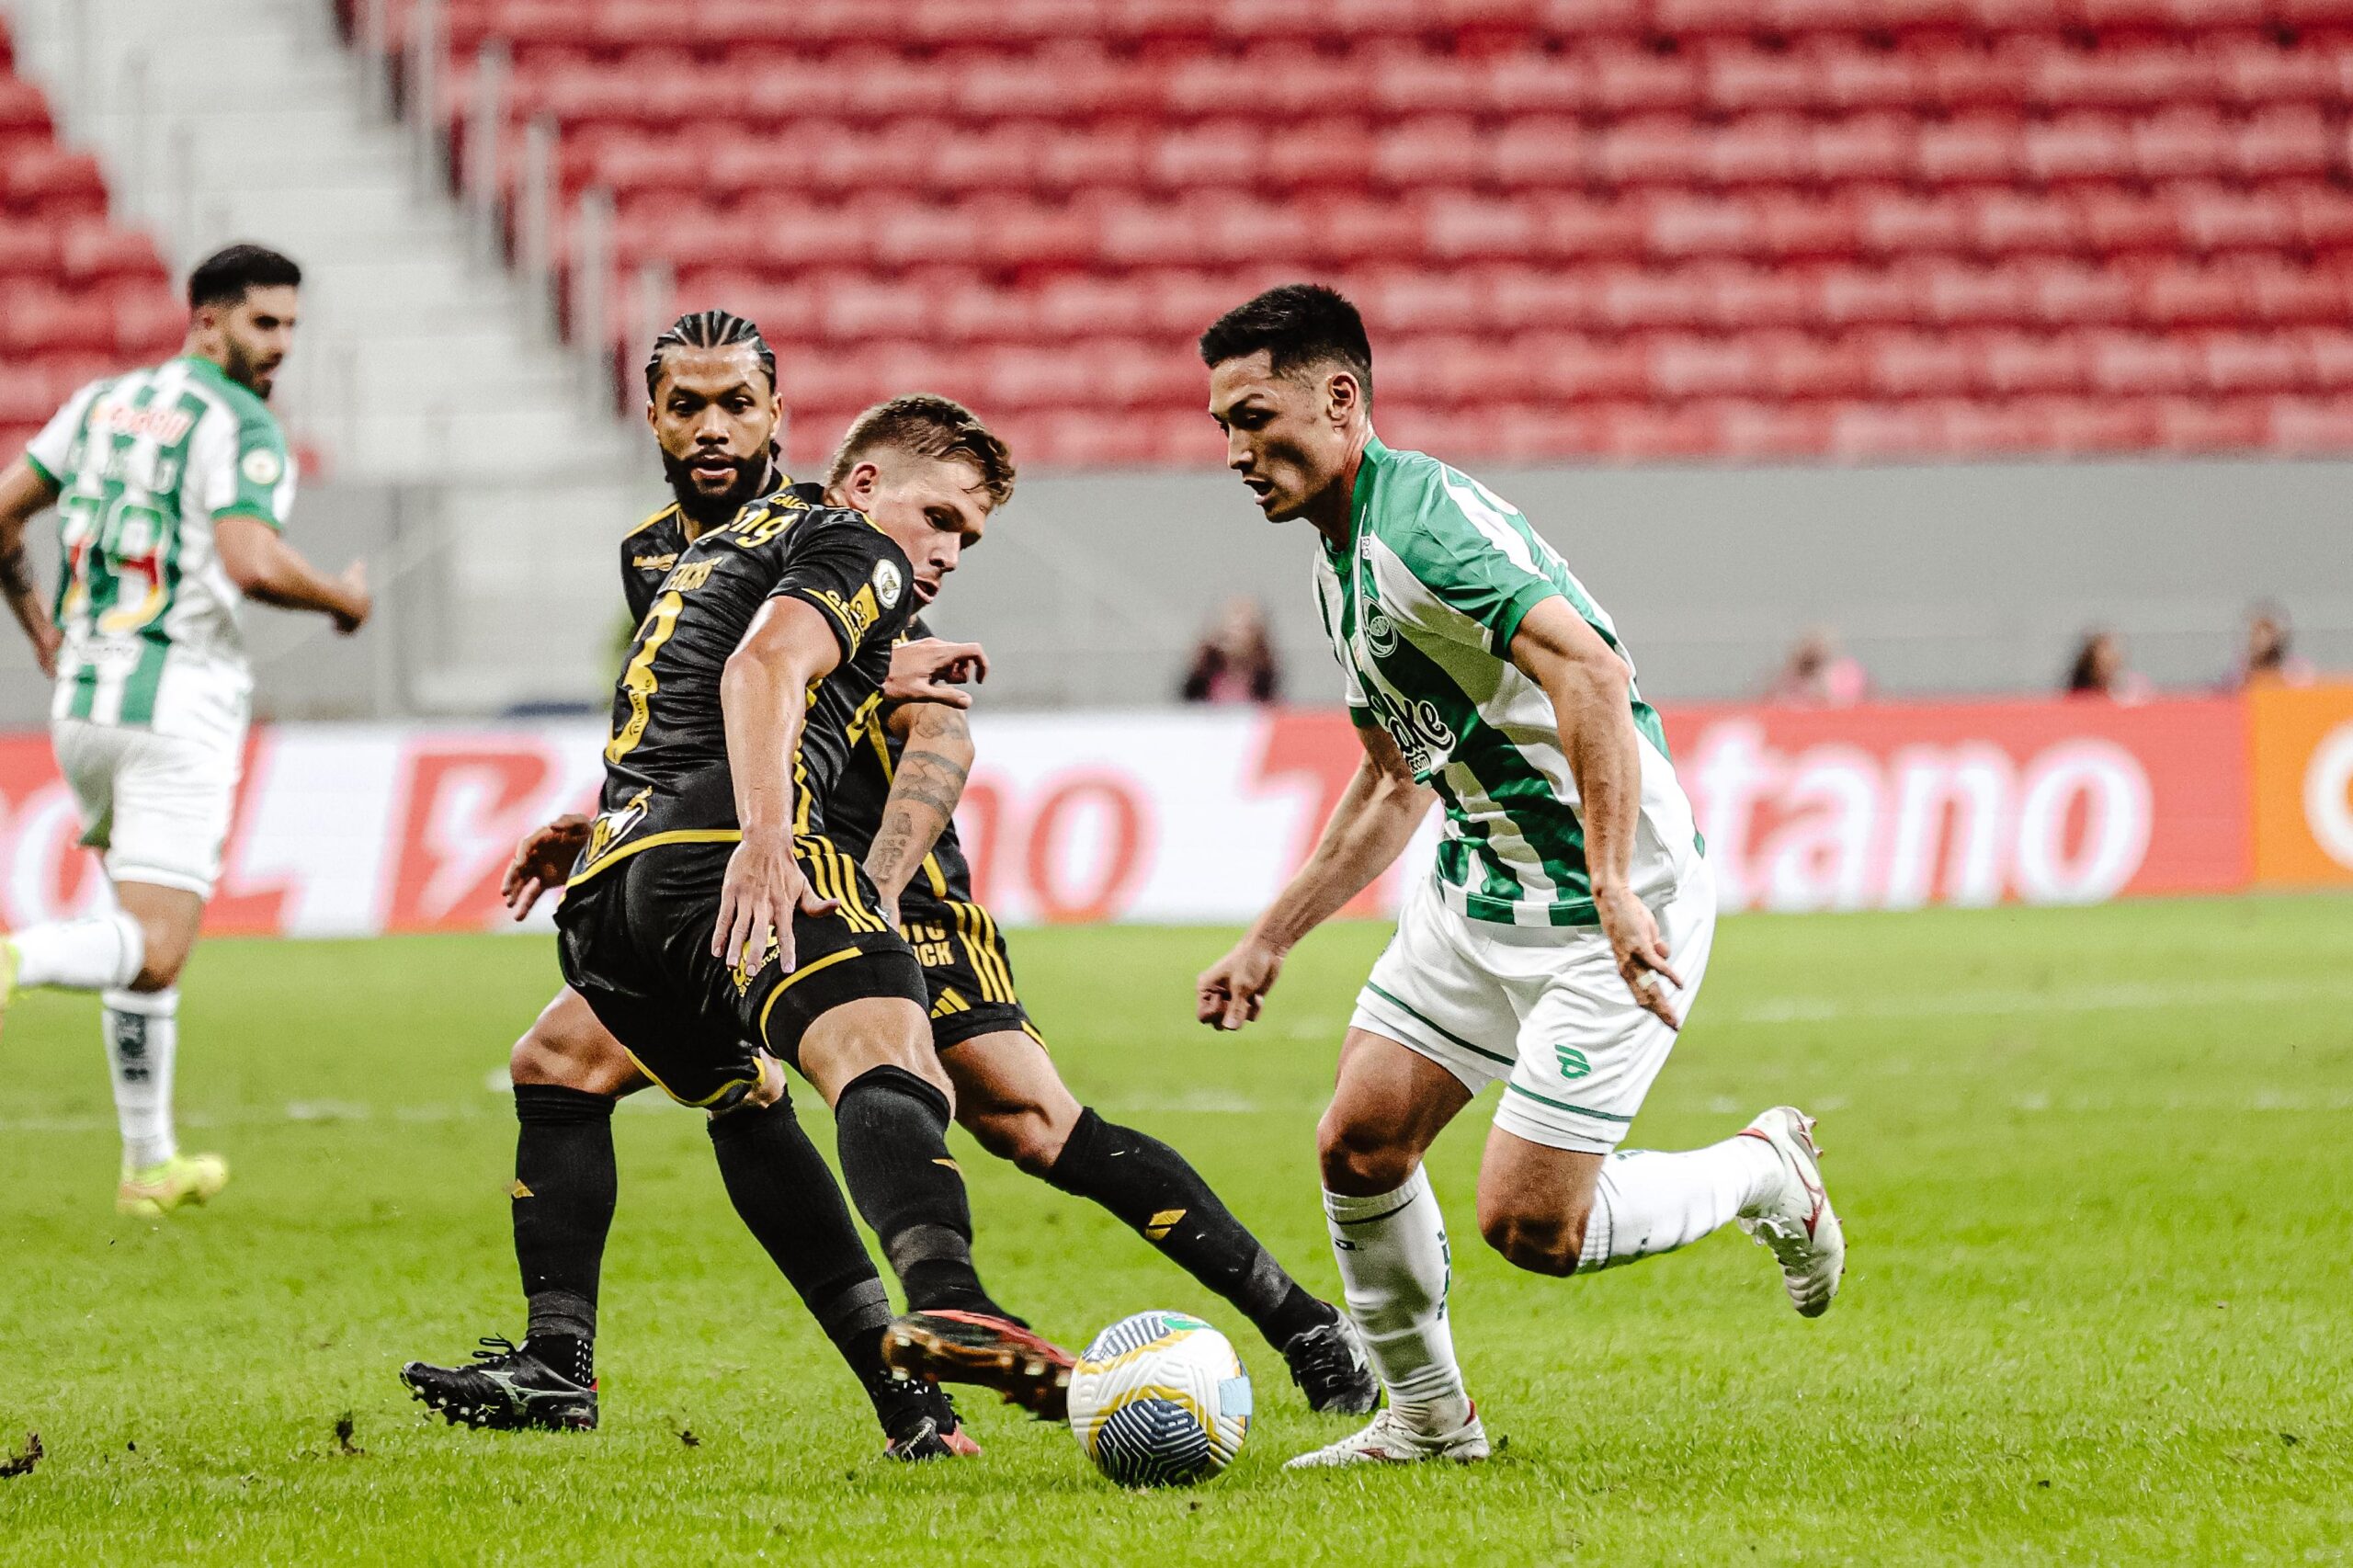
[
  {"x": 1570, "y": 881},
  {"x": 172, "y": 484},
  {"x": 710, "y": 400},
  {"x": 1235, "y": 660}
]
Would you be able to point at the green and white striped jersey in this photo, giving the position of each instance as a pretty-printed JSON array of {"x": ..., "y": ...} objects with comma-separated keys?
[
  {"x": 1421, "y": 610},
  {"x": 145, "y": 463}
]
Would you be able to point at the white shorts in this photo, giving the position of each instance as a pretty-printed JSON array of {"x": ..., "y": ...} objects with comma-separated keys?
[
  {"x": 1541, "y": 1007},
  {"x": 158, "y": 805}
]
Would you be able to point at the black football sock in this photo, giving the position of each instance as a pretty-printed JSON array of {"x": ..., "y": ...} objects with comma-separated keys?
[
  {"x": 1152, "y": 1187},
  {"x": 788, "y": 1198},
  {"x": 565, "y": 1184},
  {"x": 893, "y": 1128}
]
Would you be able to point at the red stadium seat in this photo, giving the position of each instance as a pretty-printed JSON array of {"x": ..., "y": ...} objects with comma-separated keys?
[
  {"x": 2015, "y": 362},
  {"x": 1615, "y": 228}
]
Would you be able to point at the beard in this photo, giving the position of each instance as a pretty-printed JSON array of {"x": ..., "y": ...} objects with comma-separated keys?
[{"x": 751, "y": 481}]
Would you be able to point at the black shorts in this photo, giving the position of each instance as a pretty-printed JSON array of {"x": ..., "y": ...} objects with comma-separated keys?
[
  {"x": 634, "y": 939},
  {"x": 964, "y": 964}
]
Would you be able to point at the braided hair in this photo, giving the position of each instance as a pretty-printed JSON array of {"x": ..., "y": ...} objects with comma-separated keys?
[{"x": 708, "y": 329}]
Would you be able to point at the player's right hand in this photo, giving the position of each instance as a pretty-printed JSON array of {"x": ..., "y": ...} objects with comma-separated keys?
[
  {"x": 542, "y": 861},
  {"x": 762, "y": 888},
  {"x": 1231, "y": 990},
  {"x": 930, "y": 669},
  {"x": 363, "y": 603},
  {"x": 47, "y": 640}
]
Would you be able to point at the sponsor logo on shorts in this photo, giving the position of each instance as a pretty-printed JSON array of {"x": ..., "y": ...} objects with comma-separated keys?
[{"x": 1573, "y": 1062}]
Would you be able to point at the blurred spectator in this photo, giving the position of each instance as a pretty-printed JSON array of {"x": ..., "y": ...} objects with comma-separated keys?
[
  {"x": 2267, "y": 660},
  {"x": 2100, "y": 670},
  {"x": 1819, "y": 675},
  {"x": 1235, "y": 662}
]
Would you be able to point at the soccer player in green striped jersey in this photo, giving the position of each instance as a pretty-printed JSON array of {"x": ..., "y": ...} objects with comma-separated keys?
[
  {"x": 172, "y": 485},
  {"x": 1569, "y": 898}
]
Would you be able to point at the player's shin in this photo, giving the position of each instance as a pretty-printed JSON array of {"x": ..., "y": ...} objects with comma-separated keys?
[
  {"x": 1396, "y": 1269},
  {"x": 565, "y": 1186},
  {"x": 1153, "y": 1189},
  {"x": 142, "y": 1032},
  {"x": 787, "y": 1199},
  {"x": 1646, "y": 1202},
  {"x": 893, "y": 1137}
]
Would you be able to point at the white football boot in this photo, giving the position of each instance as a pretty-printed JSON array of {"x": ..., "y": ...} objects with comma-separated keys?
[
  {"x": 1795, "y": 1223},
  {"x": 1388, "y": 1440}
]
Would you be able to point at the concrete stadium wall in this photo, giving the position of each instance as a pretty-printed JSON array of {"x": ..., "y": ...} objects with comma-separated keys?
[{"x": 1092, "y": 588}]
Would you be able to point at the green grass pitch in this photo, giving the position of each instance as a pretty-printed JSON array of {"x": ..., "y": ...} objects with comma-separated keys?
[{"x": 2094, "y": 1166}]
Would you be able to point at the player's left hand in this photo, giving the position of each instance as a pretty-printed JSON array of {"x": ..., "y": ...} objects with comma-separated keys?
[
  {"x": 930, "y": 669},
  {"x": 1641, "y": 952},
  {"x": 1231, "y": 992},
  {"x": 763, "y": 888},
  {"x": 542, "y": 861}
]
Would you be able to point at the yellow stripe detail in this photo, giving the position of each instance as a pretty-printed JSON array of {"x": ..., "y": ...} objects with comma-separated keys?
[
  {"x": 996, "y": 953},
  {"x": 853, "y": 901},
  {"x": 666, "y": 512},
  {"x": 655, "y": 841},
  {"x": 795, "y": 978},
  {"x": 656, "y": 1079},
  {"x": 933, "y": 874}
]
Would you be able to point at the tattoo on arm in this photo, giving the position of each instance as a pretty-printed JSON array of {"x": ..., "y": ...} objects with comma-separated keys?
[{"x": 924, "y": 792}]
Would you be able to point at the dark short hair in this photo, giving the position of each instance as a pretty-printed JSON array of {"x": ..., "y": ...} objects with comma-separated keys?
[
  {"x": 708, "y": 329},
  {"x": 924, "y": 425},
  {"x": 222, "y": 278},
  {"x": 1299, "y": 324}
]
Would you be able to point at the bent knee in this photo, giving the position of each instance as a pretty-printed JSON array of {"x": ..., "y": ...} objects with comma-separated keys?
[
  {"x": 1542, "y": 1243},
  {"x": 597, "y": 1066},
  {"x": 1360, "y": 1158},
  {"x": 1024, "y": 1134}
]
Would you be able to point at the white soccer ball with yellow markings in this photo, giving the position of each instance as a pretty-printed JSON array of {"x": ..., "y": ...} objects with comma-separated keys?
[{"x": 1160, "y": 1399}]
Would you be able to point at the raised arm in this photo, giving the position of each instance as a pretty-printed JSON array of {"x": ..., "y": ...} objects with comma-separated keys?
[
  {"x": 25, "y": 492},
  {"x": 924, "y": 789},
  {"x": 763, "y": 694},
  {"x": 1375, "y": 819},
  {"x": 265, "y": 567},
  {"x": 1586, "y": 682}
]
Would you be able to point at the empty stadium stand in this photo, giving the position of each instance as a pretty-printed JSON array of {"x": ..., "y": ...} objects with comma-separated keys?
[
  {"x": 1626, "y": 229},
  {"x": 80, "y": 294}
]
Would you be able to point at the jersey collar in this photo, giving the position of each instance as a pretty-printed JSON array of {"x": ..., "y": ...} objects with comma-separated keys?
[
  {"x": 1361, "y": 499},
  {"x": 207, "y": 368}
]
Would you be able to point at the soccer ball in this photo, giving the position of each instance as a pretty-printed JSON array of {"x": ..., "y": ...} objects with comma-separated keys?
[{"x": 1160, "y": 1399}]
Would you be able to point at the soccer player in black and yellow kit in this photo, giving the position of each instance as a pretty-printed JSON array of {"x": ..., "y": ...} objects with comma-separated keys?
[{"x": 670, "y": 803}]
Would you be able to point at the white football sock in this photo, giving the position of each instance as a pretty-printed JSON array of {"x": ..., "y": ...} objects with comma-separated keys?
[
  {"x": 1648, "y": 1202},
  {"x": 143, "y": 1034},
  {"x": 90, "y": 954},
  {"x": 1395, "y": 1269}
]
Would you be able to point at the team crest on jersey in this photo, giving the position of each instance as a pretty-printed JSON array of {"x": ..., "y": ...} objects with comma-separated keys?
[
  {"x": 262, "y": 466},
  {"x": 1380, "y": 633},
  {"x": 888, "y": 583}
]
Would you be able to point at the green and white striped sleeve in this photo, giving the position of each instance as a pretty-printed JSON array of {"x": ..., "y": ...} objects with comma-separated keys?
[
  {"x": 49, "y": 454},
  {"x": 1479, "y": 558},
  {"x": 250, "y": 474}
]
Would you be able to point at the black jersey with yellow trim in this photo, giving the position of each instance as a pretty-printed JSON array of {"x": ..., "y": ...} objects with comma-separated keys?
[
  {"x": 666, "y": 765},
  {"x": 648, "y": 552},
  {"x": 854, "y": 811},
  {"x": 651, "y": 549}
]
